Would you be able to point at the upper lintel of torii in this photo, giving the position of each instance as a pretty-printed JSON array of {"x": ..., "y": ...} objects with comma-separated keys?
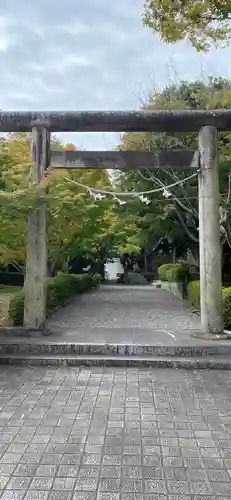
[{"x": 145, "y": 120}]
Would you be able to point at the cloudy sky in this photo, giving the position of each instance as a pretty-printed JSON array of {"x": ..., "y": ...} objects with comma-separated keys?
[{"x": 88, "y": 54}]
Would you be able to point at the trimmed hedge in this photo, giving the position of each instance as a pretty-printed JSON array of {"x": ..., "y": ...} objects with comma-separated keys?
[
  {"x": 59, "y": 289},
  {"x": 194, "y": 299},
  {"x": 174, "y": 272}
]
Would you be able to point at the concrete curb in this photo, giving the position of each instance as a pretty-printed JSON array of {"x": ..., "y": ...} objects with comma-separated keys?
[
  {"x": 109, "y": 349},
  {"x": 111, "y": 361}
]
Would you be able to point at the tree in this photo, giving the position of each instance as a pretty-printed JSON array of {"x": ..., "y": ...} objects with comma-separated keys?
[
  {"x": 176, "y": 213},
  {"x": 78, "y": 224},
  {"x": 81, "y": 225},
  {"x": 203, "y": 23},
  {"x": 15, "y": 193}
]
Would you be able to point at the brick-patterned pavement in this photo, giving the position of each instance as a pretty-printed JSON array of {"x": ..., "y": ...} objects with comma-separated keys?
[{"x": 103, "y": 434}]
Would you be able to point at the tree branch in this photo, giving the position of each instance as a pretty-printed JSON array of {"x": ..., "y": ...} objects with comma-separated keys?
[
  {"x": 185, "y": 228},
  {"x": 182, "y": 205},
  {"x": 228, "y": 232}
]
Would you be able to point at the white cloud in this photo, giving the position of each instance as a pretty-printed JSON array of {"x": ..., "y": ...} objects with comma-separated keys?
[
  {"x": 3, "y": 44},
  {"x": 87, "y": 54}
]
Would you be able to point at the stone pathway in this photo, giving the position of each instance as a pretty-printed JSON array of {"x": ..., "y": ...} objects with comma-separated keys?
[
  {"x": 126, "y": 314},
  {"x": 102, "y": 434}
]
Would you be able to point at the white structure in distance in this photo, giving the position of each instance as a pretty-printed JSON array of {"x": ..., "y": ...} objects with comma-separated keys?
[{"x": 113, "y": 268}]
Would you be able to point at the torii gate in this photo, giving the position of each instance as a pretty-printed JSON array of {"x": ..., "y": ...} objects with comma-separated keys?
[{"x": 205, "y": 122}]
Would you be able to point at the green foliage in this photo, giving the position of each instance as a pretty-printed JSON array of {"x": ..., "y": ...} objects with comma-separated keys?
[
  {"x": 226, "y": 293},
  {"x": 59, "y": 289},
  {"x": 194, "y": 294},
  {"x": 202, "y": 23},
  {"x": 77, "y": 223},
  {"x": 177, "y": 215},
  {"x": 194, "y": 300},
  {"x": 174, "y": 272},
  {"x": 163, "y": 271},
  {"x": 16, "y": 309}
]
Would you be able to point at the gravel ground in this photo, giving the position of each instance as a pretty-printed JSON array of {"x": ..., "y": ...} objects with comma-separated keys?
[
  {"x": 102, "y": 434},
  {"x": 117, "y": 308}
]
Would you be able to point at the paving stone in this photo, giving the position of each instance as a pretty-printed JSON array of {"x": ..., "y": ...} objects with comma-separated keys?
[
  {"x": 193, "y": 463},
  {"x": 7, "y": 469},
  {"x": 36, "y": 495},
  {"x": 221, "y": 488},
  {"x": 25, "y": 470},
  {"x": 41, "y": 483},
  {"x": 46, "y": 471},
  {"x": 17, "y": 448},
  {"x": 197, "y": 475},
  {"x": 87, "y": 471},
  {"x": 51, "y": 458},
  {"x": 172, "y": 462},
  {"x": 175, "y": 473},
  {"x": 200, "y": 488},
  {"x": 178, "y": 487},
  {"x": 152, "y": 473},
  {"x": 102, "y": 495},
  {"x": 74, "y": 448},
  {"x": 113, "y": 459},
  {"x": 66, "y": 483},
  {"x": 3, "y": 482},
  {"x": 13, "y": 495},
  {"x": 71, "y": 459},
  {"x": 214, "y": 463},
  {"x": 31, "y": 458},
  {"x": 17, "y": 483},
  {"x": 91, "y": 459},
  {"x": 60, "y": 495},
  {"x": 108, "y": 471},
  {"x": 211, "y": 452},
  {"x": 154, "y": 486},
  {"x": 10, "y": 458},
  {"x": 83, "y": 495},
  {"x": 108, "y": 485},
  {"x": 218, "y": 475},
  {"x": 132, "y": 472},
  {"x": 67, "y": 471},
  {"x": 86, "y": 484},
  {"x": 130, "y": 485},
  {"x": 152, "y": 461}
]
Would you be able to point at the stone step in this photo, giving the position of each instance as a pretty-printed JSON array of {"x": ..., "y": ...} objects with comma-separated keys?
[
  {"x": 94, "y": 349},
  {"x": 193, "y": 363}
]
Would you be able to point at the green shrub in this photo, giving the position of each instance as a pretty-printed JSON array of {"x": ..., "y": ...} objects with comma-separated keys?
[
  {"x": 59, "y": 289},
  {"x": 194, "y": 294},
  {"x": 194, "y": 300},
  {"x": 16, "y": 309},
  {"x": 174, "y": 272},
  {"x": 162, "y": 271},
  {"x": 226, "y": 293}
]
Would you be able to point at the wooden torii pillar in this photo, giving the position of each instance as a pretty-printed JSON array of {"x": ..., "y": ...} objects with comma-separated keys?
[
  {"x": 35, "y": 289},
  {"x": 209, "y": 232}
]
